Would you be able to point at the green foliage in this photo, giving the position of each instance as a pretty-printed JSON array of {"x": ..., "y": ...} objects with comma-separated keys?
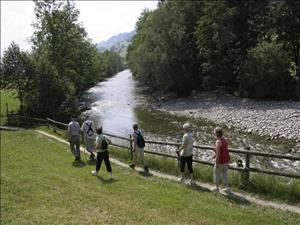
[
  {"x": 161, "y": 54},
  {"x": 186, "y": 45},
  {"x": 62, "y": 65},
  {"x": 265, "y": 73}
]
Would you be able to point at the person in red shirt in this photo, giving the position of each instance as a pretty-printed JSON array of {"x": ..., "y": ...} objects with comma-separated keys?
[{"x": 222, "y": 159}]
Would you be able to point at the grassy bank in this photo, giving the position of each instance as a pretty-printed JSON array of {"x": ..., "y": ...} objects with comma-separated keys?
[
  {"x": 265, "y": 186},
  {"x": 9, "y": 97},
  {"x": 41, "y": 185}
]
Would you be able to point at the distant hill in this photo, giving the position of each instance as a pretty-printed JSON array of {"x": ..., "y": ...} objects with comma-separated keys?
[{"x": 117, "y": 43}]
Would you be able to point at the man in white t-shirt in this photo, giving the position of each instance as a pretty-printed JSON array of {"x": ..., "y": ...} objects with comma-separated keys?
[
  {"x": 186, "y": 153},
  {"x": 89, "y": 135}
]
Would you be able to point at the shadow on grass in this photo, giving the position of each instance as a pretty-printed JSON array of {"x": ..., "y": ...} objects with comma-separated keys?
[
  {"x": 91, "y": 162},
  {"x": 145, "y": 174},
  {"x": 198, "y": 188},
  {"x": 237, "y": 199},
  {"x": 106, "y": 181},
  {"x": 78, "y": 164}
]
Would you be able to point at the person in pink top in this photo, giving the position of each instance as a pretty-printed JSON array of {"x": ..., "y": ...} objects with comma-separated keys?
[{"x": 222, "y": 159}]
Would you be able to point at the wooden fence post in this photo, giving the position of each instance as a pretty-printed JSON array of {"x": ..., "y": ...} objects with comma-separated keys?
[
  {"x": 130, "y": 143},
  {"x": 246, "y": 172}
]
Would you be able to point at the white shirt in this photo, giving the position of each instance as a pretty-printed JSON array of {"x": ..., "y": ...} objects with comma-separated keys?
[
  {"x": 74, "y": 128},
  {"x": 87, "y": 133},
  {"x": 187, "y": 142}
]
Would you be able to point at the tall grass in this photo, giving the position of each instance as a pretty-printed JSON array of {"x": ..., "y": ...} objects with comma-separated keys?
[{"x": 40, "y": 184}]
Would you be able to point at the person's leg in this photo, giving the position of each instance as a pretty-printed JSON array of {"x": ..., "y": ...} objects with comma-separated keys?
[
  {"x": 182, "y": 166},
  {"x": 217, "y": 176},
  {"x": 89, "y": 144},
  {"x": 190, "y": 168},
  {"x": 77, "y": 144},
  {"x": 99, "y": 161},
  {"x": 107, "y": 162},
  {"x": 72, "y": 146},
  {"x": 225, "y": 178},
  {"x": 143, "y": 159}
]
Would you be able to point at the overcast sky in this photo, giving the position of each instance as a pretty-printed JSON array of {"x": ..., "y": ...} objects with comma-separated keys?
[{"x": 101, "y": 19}]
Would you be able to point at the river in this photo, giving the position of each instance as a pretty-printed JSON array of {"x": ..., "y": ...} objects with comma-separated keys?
[{"x": 117, "y": 104}]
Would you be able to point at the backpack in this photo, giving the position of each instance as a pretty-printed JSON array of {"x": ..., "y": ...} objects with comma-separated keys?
[
  {"x": 140, "y": 140},
  {"x": 90, "y": 131},
  {"x": 104, "y": 144}
]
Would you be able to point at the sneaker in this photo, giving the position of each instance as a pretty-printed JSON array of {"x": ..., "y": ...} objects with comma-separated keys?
[
  {"x": 132, "y": 166},
  {"x": 94, "y": 173},
  {"x": 111, "y": 177},
  {"x": 227, "y": 190}
]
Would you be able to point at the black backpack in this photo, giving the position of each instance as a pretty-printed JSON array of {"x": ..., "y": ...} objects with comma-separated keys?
[
  {"x": 104, "y": 144},
  {"x": 140, "y": 140}
]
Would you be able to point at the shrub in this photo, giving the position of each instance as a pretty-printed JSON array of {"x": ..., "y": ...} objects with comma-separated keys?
[{"x": 265, "y": 73}]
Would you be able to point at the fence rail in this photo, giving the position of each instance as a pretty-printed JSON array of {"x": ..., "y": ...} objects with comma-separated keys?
[{"x": 245, "y": 170}]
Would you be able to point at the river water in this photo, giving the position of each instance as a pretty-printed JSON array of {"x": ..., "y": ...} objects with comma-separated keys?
[{"x": 117, "y": 104}]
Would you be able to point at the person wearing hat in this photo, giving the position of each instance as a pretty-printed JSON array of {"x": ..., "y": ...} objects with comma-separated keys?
[
  {"x": 74, "y": 137},
  {"x": 89, "y": 135},
  {"x": 186, "y": 153}
]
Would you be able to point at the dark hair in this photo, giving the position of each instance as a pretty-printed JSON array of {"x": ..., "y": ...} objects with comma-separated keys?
[
  {"x": 99, "y": 130},
  {"x": 135, "y": 126}
]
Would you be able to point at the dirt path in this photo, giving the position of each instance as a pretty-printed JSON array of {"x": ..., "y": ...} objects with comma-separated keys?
[{"x": 235, "y": 196}]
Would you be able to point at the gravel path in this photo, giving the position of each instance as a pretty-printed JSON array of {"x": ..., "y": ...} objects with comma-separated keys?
[{"x": 277, "y": 119}]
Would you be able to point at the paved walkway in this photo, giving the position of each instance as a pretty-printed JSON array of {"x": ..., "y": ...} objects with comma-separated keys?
[{"x": 235, "y": 196}]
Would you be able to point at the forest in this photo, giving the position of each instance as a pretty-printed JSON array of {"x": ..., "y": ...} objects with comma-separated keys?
[{"x": 247, "y": 48}]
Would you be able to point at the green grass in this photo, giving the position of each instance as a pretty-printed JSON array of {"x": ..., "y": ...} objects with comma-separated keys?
[
  {"x": 265, "y": 186},
  {"x": 9, "y": 97},
  {"x": 268, "y": 187},
  {"x": 41, "y": 185}
]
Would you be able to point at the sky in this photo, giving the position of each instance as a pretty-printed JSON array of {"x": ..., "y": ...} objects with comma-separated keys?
[{"x": 101, "y": 19}]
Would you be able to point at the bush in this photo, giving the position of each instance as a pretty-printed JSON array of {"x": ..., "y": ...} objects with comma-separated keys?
[{"x": 265, "y": 73}]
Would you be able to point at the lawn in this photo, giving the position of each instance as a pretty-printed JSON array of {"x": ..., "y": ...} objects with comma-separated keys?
[
  {"x": 9, "y": 97},
  {"x": 40, "y": 184}
]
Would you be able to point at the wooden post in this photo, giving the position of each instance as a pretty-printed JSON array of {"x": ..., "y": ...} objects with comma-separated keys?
[
  {"x": 246, "y": 172},
  {"x": 131, "y": 148}
]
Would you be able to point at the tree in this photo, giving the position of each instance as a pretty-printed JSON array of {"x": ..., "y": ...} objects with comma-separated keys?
[
  {"x": 17, "y": 71},
  {"x": 286, "y": 15},
  {"x": 162, "y": 54},
  {"x": 265, "y": 73}
]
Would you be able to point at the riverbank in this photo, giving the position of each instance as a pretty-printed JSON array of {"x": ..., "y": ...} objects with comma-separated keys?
[{"x": 275, "y": 119}]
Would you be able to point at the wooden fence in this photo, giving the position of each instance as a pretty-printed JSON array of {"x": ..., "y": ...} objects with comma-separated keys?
[{"x": 247, "y": 153}]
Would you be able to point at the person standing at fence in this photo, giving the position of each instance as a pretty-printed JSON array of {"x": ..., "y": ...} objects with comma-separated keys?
[
  {"x": 74, "y": 137},
  {"x": 222, "y": 159},
  {"x": 138, "y": 148},
  {"x": 186, "y": 153},
  {"x": 89, "y": 135},
  {"x": 102, "y": 143}
]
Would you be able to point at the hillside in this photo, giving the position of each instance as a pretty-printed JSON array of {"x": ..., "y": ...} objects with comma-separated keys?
[{"x": 117, "y": 43}]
